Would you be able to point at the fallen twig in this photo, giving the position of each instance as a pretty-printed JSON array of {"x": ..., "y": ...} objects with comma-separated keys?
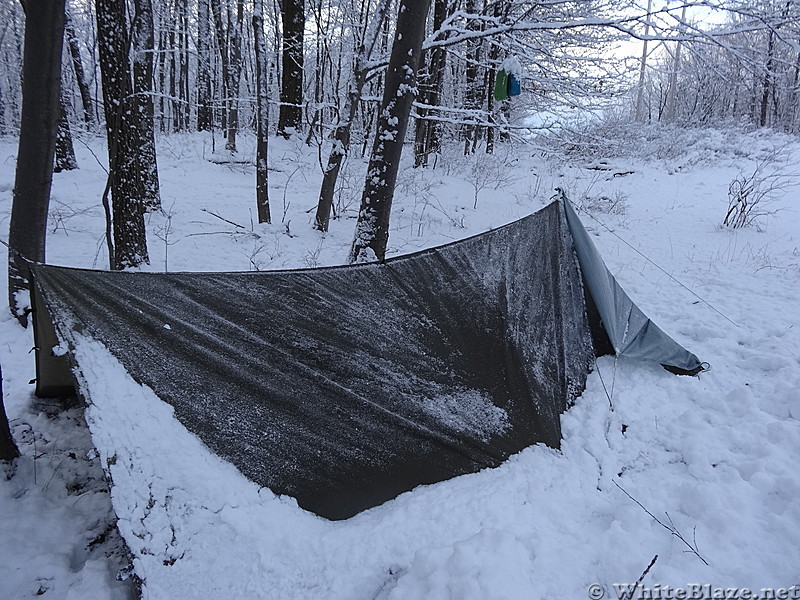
[{"x": 671, "y": 527}]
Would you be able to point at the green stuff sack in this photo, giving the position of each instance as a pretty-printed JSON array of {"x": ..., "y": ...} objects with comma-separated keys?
[{"x": 501, "y": 85}]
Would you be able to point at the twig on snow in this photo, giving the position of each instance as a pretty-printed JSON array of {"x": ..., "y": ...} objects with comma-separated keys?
[{"x": 671, "y": 527}]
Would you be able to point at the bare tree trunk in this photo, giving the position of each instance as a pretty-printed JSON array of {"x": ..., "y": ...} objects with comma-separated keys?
[
  {"x": 672, "y": 90},
  {"x": 230, "y": 47},
  {"x": 124, "y": 137},
  {"x": 143, "y": 43},
  {"x": 235, "y": 72},
  {"x": 293, "y": 18},
  {"x": 768, "y": 87},
  {"x": 473, "y": 95},
  {"x": 204, "y": 111},
  {"x": 8, "y": 449},
  {"x": 262, "y": 117},
  {"x": 341, "y": 135},
  {"x": 321, "y": 59},
  {"x": 65, "y": 151},
  {"x": 77, "y": 66},
  {"x": 426, "y": 134},
  {"x": 642, "y": 69},
  {"x": 161, "y": 70},
  {"x": 41, "y": 109},
  {"x": 372, "y": 228},
  {"x": 501, "y": 9},
  {"x": 768, "y": 76},
  {"x": 182, "y": 105}
]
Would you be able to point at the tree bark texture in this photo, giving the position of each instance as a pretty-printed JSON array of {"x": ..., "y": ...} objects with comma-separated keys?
[
  {"x": 262, "y": 120},
  {"x": 8, "y": 449},
  {"x": 142, "y": 101},
  {"x": 473, "y": 95},
  {"x": 41, "y": 110},
  {"x": 65, "y": 151},
  {"x": 77, "y": 66},
  {"x": 124, "y": 137},
  {"x": 204, "y": 110},
  {"x": 427, "y": 132},
  {"x": 372, "y": 228},
  {"x": 293, "y": 19},
  {"x": 230, "y": 48}
]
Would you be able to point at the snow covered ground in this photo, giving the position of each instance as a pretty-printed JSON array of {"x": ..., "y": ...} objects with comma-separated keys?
[{"x": 701, "y": 472}]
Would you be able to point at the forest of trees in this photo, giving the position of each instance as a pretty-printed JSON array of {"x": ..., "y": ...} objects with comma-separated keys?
[{"x": 357, "y": 74}]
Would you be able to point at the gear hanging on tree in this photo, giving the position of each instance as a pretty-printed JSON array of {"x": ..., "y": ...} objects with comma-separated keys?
[
  {"x": 501, "y": 85},
  {"x": 507, "y": 80}
]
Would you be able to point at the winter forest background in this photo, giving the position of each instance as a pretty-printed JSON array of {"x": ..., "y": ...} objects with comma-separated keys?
[
  {"x": 341, "y": 75},
  {"x": 235, "y": 135}
]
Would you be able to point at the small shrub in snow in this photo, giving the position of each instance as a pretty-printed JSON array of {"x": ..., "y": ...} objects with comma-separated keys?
[{"x": 750, "y": 194}]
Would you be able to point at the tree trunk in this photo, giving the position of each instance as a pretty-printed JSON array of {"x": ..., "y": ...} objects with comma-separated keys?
[
  {"x": 640, "y": 116},
  {"x": 372, "y": 228},
  {"x": 124, "y": 137},
  {"x": 183, "y": 105},
  {"x": 501, "y": 10},
  {"x": 235, "y": 72},
  {"x": 230, "y": 47},
  {"x": 222, "y": 45},
  {"x": 65, "y": 151},
  {"x": 142, "y": 101},
  {"x": 426, "y": 138},
  {"x": 77, "y": 66},
  {"x": 204, "y": 111},
  {"x": 8, "y": 449},
  {"x": 293, "y": 18},
  {"x": 161, "y": 66},
  {"x": 262, "y": 118},
  {"x": 341, "y": 135},
  {"x": 670, "y": 111},
  {"x": 473, "y": 95},
  {"x": 41, "y": 110}
]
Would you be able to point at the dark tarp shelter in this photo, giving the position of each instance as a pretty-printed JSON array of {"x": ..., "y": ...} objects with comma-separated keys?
[{"x": 346, "y": 386}]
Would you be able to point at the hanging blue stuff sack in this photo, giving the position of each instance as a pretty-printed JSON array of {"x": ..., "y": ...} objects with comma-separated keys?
[{"x": 514, "y": 88}]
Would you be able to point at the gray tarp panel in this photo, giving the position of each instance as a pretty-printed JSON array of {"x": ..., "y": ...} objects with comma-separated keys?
[
  {"x": 344, "y": 387},
  {"x": 629, "y": 330}
]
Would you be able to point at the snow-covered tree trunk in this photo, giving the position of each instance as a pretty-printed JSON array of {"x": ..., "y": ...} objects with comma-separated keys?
[
  {"x": 41, "y": 109},
  {"x": 262, "y": 117},
  {"x": 65, "y": 151},
  {"x": 293, "y": 18},
  {"x": 124, "y": 137},
  {"x": 143, "y": 43},
  {"x": 341, "y": 135},
  {"x": 372, "y": 228}
]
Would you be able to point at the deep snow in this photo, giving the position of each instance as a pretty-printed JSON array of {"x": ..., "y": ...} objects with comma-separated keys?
[{"x": 713, "y": 456}]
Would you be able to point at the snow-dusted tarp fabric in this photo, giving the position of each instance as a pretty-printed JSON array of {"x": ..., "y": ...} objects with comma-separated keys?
[{"x": 346, "y": 386}]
